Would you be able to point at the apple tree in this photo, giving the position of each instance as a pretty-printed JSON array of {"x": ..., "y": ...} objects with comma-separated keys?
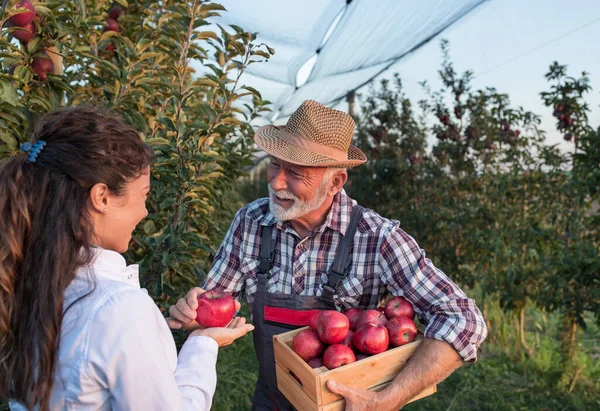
[{"x": 172, "y": 75}]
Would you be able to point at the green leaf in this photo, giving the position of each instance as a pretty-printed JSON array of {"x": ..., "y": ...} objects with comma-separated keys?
[
  {"x": 8, "y": 94},
  {"x": 157, "y": 141},
  {"x": 204, "y": 35},
  {"x": 123, "y": 3},
  {"x": 237, "y": 29},
  {"x": 253, "y": 91},
  {"x": 10, "y": 141}
]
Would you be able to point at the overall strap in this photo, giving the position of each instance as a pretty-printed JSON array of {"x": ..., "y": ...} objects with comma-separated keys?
[
  {"x": 267, "y": 251},
  {"x": 341, "y": 262}
]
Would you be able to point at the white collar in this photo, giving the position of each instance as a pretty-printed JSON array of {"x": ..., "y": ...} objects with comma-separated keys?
[{"x": 112, "y": 265}]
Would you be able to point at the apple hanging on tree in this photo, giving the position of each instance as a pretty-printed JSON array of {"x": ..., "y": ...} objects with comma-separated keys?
[
  {"x": 26, "y": 17},
  {"x": 42, "y": 65},
  {"x": 25, "y": 33}
]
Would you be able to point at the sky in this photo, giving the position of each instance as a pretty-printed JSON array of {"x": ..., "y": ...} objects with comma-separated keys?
[{"x": 509, "y": 45}]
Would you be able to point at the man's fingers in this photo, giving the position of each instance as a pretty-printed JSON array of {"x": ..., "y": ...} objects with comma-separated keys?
[
  {"x": 237, "y": 305},
  {"x": 338, "y": 388},
  {"x": 173, "y": 323},
  {"x": 186, "y": 310},
  {"x": 176, "y": 314},
  {"x": 192, "y": 297}
]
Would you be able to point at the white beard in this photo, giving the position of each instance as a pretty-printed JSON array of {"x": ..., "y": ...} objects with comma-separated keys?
[{"x": 299, "y": 208}]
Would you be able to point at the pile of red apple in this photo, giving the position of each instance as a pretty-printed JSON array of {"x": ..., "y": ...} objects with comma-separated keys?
[{"x": 334, "y": 339}]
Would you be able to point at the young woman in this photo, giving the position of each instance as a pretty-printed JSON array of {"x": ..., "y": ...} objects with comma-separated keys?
[{"x": 76, "y": 329}]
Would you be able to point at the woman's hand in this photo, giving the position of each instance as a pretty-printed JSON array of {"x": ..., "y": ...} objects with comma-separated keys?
[{"x": 226, "y": 335}]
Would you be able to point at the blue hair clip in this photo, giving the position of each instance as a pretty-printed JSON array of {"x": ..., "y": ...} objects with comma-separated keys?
[{"x": 33, "y": 151}]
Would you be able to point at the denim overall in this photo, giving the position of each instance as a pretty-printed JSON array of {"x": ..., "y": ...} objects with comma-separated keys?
[{"x": 275, "y": 313}]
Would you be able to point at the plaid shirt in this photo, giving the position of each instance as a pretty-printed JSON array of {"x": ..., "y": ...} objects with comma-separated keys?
[{"x": 384, "y": 258}]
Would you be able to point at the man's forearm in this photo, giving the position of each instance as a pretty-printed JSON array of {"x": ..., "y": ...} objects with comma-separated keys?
[{"x": 432, "y": 362}]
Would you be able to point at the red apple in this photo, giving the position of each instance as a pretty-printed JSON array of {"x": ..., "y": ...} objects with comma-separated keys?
[
  {"x": 112, "y": 25},
  {"x": 399, "y": 307},
  {"x": 26, "y": 17},
  {"x": 307, "y": 345},
  {"x": 25, "y": 33},
  {"x": 313, "y": 321},
  {"x": 332, "y": 327},
  {"x": 348, "y": 340},
  {"x": 371, "y": 316},
  {"x": 337, "y": 355},
  {"x": 215, "y": 309},
  {"x": 316, "y": 362},
  {"x": 380, "y": 308},
  {"x": 371, "y": 339},
  {"x": 401, "y": 330},
  {"x": 42, "y": 66},
  {"x": 116, "y": 12},
  {"x": 353, "y": 314}
]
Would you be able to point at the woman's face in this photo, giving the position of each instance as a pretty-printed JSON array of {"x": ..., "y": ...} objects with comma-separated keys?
[{"x": 114, "y": 228}]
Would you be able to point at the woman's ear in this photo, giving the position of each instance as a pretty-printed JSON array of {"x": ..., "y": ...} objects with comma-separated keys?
[
  {"x": 99, "y": 194},
  {"x": 337, "y": 182}
]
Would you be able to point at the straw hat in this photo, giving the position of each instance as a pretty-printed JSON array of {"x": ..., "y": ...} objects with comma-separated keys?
[{"x": 314, "y": 136}]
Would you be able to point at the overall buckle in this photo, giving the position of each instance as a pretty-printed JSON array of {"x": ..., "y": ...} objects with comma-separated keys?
[{"x": 334, "y": 278}]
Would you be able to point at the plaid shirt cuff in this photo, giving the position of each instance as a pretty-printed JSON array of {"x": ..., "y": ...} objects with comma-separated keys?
[{"x": 460, "y": 324}]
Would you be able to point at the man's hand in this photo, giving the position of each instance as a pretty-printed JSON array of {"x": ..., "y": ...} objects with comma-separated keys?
[
  {"x": 356, "y": 399},
  {"x": 431, "y": 363},
  {"x": 226, "y": 335},
  {"x": 183, "y": 313}
]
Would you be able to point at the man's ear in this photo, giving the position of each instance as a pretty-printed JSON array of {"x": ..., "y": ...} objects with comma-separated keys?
[
  {"x": 99, "y": 196},
  {"x": 337, "y": 182}
]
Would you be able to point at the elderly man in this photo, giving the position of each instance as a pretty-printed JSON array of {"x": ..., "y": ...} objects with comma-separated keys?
[{"x": 309, "y": 247}]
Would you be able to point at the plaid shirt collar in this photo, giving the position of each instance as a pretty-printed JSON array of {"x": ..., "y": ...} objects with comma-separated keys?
[{"x": 337, "y": 219}]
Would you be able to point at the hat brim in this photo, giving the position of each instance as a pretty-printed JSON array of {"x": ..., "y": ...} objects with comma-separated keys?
[{"x": 267, "y": 138}]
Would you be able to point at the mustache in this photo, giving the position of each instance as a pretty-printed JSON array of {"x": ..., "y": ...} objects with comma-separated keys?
[{"x": 283, "y": 194}]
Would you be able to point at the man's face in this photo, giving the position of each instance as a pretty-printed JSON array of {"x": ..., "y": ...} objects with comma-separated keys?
[{"x": 295, "y": 191}]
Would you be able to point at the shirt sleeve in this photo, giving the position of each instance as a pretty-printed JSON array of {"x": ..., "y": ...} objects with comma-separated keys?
[
  {"x": 132, "y": 353},
  {"x": 225, "y": 274},
  {"x": 448, "y": 313}
]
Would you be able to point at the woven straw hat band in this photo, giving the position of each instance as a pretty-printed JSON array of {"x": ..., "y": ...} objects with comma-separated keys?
[{"x": 313, "y": 146}]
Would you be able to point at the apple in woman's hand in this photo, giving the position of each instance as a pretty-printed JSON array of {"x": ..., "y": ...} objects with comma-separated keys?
[{"x": 215, "y": 309}]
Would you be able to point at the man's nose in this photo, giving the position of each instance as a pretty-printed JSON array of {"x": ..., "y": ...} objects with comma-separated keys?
[{"x": 279, "y": 181}]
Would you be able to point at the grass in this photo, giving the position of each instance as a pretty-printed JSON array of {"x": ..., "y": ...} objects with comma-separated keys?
[{"x": 504, "y": 378}]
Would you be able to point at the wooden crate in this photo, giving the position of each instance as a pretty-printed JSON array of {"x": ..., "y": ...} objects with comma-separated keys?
[{"x": 374, "y": 372}]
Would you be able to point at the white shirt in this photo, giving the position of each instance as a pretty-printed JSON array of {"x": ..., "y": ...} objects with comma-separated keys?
[{"x": 117, "y": 352}]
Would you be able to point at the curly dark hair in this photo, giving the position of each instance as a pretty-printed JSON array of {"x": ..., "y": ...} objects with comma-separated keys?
[{"x": 46, "y": 235}]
